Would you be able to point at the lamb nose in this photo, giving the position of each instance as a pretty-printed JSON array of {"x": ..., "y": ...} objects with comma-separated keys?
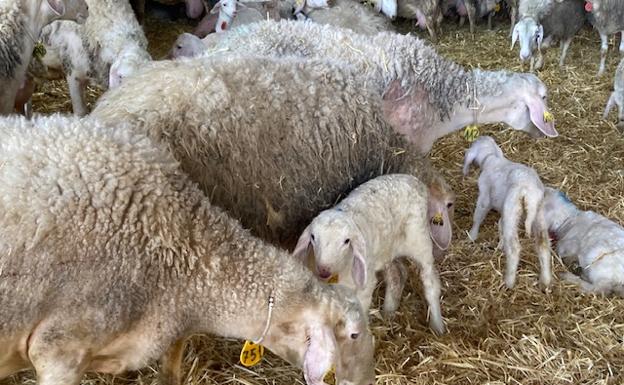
[{"x": 324, "y": 274}]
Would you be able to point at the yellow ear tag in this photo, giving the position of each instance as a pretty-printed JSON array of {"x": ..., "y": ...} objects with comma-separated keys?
[
  {"x": 333, "y": 279},
  {"x": 330, "y": 376},
  {"x": 548, "y": 117},
  {"x": 438, "y": 219},
  {"x": 497, "y": 7},
  {"x": 39, "y": 51},
  {"x": 471, "y": 132},
  {"x": 299, "y": 3},
  {"x": 251, "y": 354}
]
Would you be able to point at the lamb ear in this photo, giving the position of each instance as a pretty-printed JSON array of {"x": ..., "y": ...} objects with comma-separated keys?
[
  {"x": 515, "y": 35},
  {"x": 58, "y": 6},
  {"x": 358, "y": 270},
  {"x": 540, "y": 36},
  {"x": 319, "y": 356},
  {"x": 216, "y": 7},
  {"x": 301, "y": 250},
  {"x": 536, "y": 110}
]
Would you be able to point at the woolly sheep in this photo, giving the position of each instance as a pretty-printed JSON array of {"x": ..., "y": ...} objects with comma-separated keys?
[
  {"x": 617, "y": 96},
  {"x": 259, "y": 140},
  {"x": 607, "y": 16},
  {"x": 378, "y": 222},
  {"x": 109, "y": 47},
  {"x": 558, "y": 20},
  {"x": 588, "y": 239},
  {"x": 427, "y": 14},
  {"x": 112, "y": 257},
  {"x": 507, "y": 187},
  {"x": 424, "y": 95},
  {"x": 21, "y": 22},
  {"x": 351, "y": 14}
]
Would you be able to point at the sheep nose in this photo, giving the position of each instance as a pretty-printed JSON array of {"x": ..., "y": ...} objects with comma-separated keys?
[
  {"x": 324, "y": 273},
  {"x": 437, "y": 220}
]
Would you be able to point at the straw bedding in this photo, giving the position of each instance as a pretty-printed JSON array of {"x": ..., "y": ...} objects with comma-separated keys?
[{"x": 496, "y": 336}]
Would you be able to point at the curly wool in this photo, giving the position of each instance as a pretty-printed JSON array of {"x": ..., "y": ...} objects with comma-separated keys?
[{"x": 12, "y": 34}]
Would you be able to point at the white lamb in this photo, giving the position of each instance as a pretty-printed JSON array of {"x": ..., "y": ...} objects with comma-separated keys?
[
  {"x": 509, "y": 188},
  {"x": 594, "y": 242},
  {"x": 109, "y": 47},
  {"x": 381, "y": 220}
]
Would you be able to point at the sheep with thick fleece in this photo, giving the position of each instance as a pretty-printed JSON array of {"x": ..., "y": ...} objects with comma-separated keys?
[
  {"x": 259, "y": 139},
  {"x": 607, "y": 16},
  {"x": 378, "y": 222},
  {"x": 617, "y": 96},
  {"x": 111, "y": 257},
  {"x": 509, "y": 188},
  {"x": 109, "y": 47},
  {"x": 21, "y": 22},
  {"x": 425, "y": 96},
  {"x": 593, "y": 242}
]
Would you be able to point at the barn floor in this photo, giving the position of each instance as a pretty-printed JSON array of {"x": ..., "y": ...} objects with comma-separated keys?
[{"x": 496, "y": 336}]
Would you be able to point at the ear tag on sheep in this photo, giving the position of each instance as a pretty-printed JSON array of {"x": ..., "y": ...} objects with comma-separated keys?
[
  {"x": 39, "y": 51},
  {"x": 548, "y": 117},
  {"x": 471, "y": 132},
  {"x": 497, "y": 7},
  {"x": 330, "y": 377},
  {"x": 437, "y": 219},
  {"x": 589, "y": 6},
  {"x": 299, "y": 3},
  {"x": 251, "y": 354},
  {"x": 333, "y": 279}
]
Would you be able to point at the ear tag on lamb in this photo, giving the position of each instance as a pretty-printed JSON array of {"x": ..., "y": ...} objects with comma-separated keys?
[
  {"x": 497, "y": 7},
  {"x": 299, "y": 3},
  {"x": 333, "y": 279},
  {"x": 437, "y": 219},
  {"x": 471, "y": 132},
  {"x": 330, "y": 377},
  {"x": 251, "y": 354},
  {"x": 548, "y": 117},
  {"x": 589, "y": 6},
  {"x": 39, "y": 51}
]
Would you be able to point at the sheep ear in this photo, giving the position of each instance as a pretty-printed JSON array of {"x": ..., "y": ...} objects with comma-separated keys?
[
  {"x": 216, "y": 8},
  {"x": 301, "y": 250},
  {"x": 540, "y": 36},
  {"x": 319, "y": 356},
  {"x": 515, "y": 34},
  {"x": 57, "y": 6},
  {"x": 358, "y": 270},
  {"x": 537, "y": 111}
]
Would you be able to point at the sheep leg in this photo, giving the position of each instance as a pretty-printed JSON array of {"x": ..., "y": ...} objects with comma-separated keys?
[
  {"x": 472, "y": 15},
  {"x": 604, "y": 46},
  {"x": 171, "y": 364},
  {"x": 622, "y": 42},
  {"x": 499, "y": 246},
  {"x": 481, "y": 211},
  {"x": 432, "y": 30},
  {"x": 431, "y": 285},
  {"x": 511, "y": 244},
  {"x": 565, "y": 44},
  {"x": 540, "y": 59},
  {"x": 77, "y": 85},
  {"x": 542, "y": 249},
  {"x": 514, "y": 16},
  {"x": 394, "y": 275},
  {"x": 584, "y": 285},
  {"x": 490, "y": 17}
]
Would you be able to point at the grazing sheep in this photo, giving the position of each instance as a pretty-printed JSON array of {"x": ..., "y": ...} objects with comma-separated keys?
[
  {"x": 509, "y": 188},
  {"x": 593, "y": 242},
  {"x": 427, "y": 14},
  {"x": 378, "y": 222},
  {"x": 21, "y": 22},
  {"x": 109, "y": 47},
  {"x": 424, "y": 95},
  {"x": 617, "y": 96},
  {"x": 259, "y": 140},
  {"x": 351, "y": 14},
  {"x": 558, "y": 20},
  {"x": 607, "y": 16},
  {"x": 111, "y": 257}
]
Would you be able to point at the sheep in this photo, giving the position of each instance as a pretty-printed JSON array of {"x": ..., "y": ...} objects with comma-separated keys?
[
  {"x": 244, "y": 129},
  {"x": 617, "y": 96},
  {"x": 111, "y": 257},
  {"x": 245, "y": 13},
  {"x": 21, "y": 22},
  {"x": 424, "y": 95},
  {"x": 557, "y": 20},
  {"x": 378, "y": 222},
  {"x": 588, "y": 239},
  {"x": 607, "y": 16},
  {"x": 474, "y": 9},
  {"x": 109, "y": 47},
  {"x": 427, "y": 14},
  {"x": 351, "y": 14},
  {"x": 509, "y": 188}
]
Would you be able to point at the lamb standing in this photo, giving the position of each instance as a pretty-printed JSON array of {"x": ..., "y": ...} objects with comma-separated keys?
[
  {"x": 543, "y": 21},
  {"x": 380, "y": 221},
  {"x": 607, "y": 16},
  {"x": 509, "y": 188},
  {"x": 21, "y": 22},
  {"x": 617, "y": 96},
  {"x": 594, "y": 242},
  {"x": 424, "y": 95},
  {"x": 109, "y": 47},
  {"x": 259, "y": 140},
  {"x": 111, "y": 257}
]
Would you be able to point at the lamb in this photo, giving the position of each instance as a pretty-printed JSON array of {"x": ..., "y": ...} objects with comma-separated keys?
[
  {"x": 351, "y": 14},
  {"x": 111, "y": 257},
  {"x": 588, "y": 239},
  {"x": 21, "y": 22},
  {"x": 378, "y": 222},
  {"x": 427, "y": 14},
  {"x": 607, "y": 16},
  {"x": 109, "y": 47},
  {"x": 555, "y": 20},
  {"x": 245, "y": 13},
  {"x": 617, "y": 96},
  {"x": 507, "y": 187},
  {"x": 243, "y": 129},
  {"x": 424, "y": 95}
]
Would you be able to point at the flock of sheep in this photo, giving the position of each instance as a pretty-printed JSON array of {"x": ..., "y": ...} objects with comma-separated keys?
[{"x": 168, "y": 209}]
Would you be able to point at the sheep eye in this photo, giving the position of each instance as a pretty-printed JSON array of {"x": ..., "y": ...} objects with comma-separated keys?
[
  {"x": 312, "y": 236},
  {"x": 354, "y": 336},
  {"x": 346, "y": 242},
  {"x": 449, "y": 205}
]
